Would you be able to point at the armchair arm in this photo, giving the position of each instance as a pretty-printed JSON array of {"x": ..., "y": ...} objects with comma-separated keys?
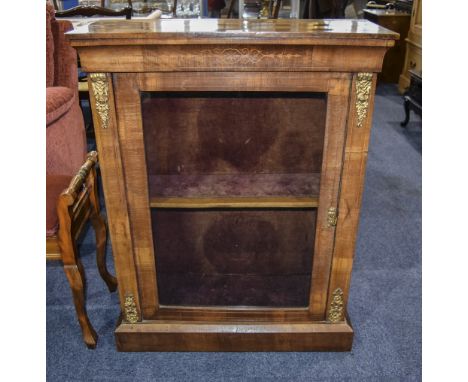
[
  {"x": 76, "y": 204},
  {"x": 76, "y": 184}
]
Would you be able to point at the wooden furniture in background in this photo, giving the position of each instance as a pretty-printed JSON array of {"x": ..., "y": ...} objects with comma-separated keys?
[
  {"x": 233, "y": 155},
  {"x": 102, "y": 3},
  {"x": 92, "y": 10},
  {"x": 77, "y": 204},
  {"x": 404, "y": 5},
  {"x": 398, "y": 22},
  {"x": 379, "y": 4},
  {"x": 413, "y": 59},
  {"x": 413, "y": 96}
]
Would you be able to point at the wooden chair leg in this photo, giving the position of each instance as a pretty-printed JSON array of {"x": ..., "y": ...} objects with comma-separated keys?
[
  {"x": 100, "y": 229},
  {"x": 99, "y": 226},
  {"x": 70, "y": 204},
  {"x": 76, "y": 279}
]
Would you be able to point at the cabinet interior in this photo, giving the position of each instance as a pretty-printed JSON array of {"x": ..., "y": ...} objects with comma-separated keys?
[{"x": 234, "y": 180}]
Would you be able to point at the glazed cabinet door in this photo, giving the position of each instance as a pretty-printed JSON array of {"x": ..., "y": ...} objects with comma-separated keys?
[{"x": 229, "y": 192}]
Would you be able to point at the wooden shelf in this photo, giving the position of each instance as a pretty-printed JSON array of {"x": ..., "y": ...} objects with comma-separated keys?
[
  {"x": 235, "y": 202},
  {"x": 234, "y": 191}
]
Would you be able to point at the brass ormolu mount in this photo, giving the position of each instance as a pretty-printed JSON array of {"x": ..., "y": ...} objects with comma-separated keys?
[{"x": 130, "y": 310}]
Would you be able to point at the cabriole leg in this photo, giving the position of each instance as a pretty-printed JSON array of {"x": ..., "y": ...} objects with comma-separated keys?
[{"x": 76, "y": 279}]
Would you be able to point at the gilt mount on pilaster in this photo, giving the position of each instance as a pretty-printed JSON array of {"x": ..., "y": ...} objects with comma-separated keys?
[{"x": 100, "y": 86}]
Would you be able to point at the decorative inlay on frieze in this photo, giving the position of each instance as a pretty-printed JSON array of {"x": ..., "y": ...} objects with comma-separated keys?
[{"x": 245, "y": 56}]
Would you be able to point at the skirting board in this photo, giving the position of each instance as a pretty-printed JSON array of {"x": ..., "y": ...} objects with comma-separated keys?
[{"x": 217, "y": 336}]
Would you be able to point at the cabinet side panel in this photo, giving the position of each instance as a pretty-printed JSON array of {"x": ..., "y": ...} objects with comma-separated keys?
[
  {"x": 110, "y": 161},
  {"x": 136, "y": 183},
  {"x": 354, "y": 167}
]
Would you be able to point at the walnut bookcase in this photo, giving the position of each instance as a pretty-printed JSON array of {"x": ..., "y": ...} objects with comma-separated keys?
[{"x": 233, "y": 156}]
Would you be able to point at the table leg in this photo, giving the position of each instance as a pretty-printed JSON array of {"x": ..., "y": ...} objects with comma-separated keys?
[{"x": 407, "y": 113}]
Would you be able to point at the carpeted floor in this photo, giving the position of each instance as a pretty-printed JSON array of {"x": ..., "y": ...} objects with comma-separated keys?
[{"x": 385, "y": 300}]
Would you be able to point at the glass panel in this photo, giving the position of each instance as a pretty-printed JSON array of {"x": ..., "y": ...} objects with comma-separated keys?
[
  {"x": 234, "y": 257},
  {"x": 233, "y": 143},
  {"x": 233, "y": 146}
]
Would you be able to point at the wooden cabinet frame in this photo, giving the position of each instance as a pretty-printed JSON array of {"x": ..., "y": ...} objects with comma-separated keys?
[{"x": 116, "y": 82}]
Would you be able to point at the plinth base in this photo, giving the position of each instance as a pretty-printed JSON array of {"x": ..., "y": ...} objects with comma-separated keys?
[{"x": 221, "y": 336}]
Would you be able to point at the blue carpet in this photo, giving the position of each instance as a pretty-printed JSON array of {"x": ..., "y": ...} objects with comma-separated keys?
[{"x": 385, "y": 299}]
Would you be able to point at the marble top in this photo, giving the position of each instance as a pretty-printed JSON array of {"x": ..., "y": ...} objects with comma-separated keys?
[{"x": 229, "y": 28}]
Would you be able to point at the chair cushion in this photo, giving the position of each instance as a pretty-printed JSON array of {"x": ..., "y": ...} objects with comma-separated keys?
[
  {"x": 59, "y": 100},
  {"x": 55, "y": 184}
]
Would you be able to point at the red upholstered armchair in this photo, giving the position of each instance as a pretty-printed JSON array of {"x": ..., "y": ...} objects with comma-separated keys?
[
  {"x": 71, "y": 193},
  {"x": 66, "y": 139}
]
